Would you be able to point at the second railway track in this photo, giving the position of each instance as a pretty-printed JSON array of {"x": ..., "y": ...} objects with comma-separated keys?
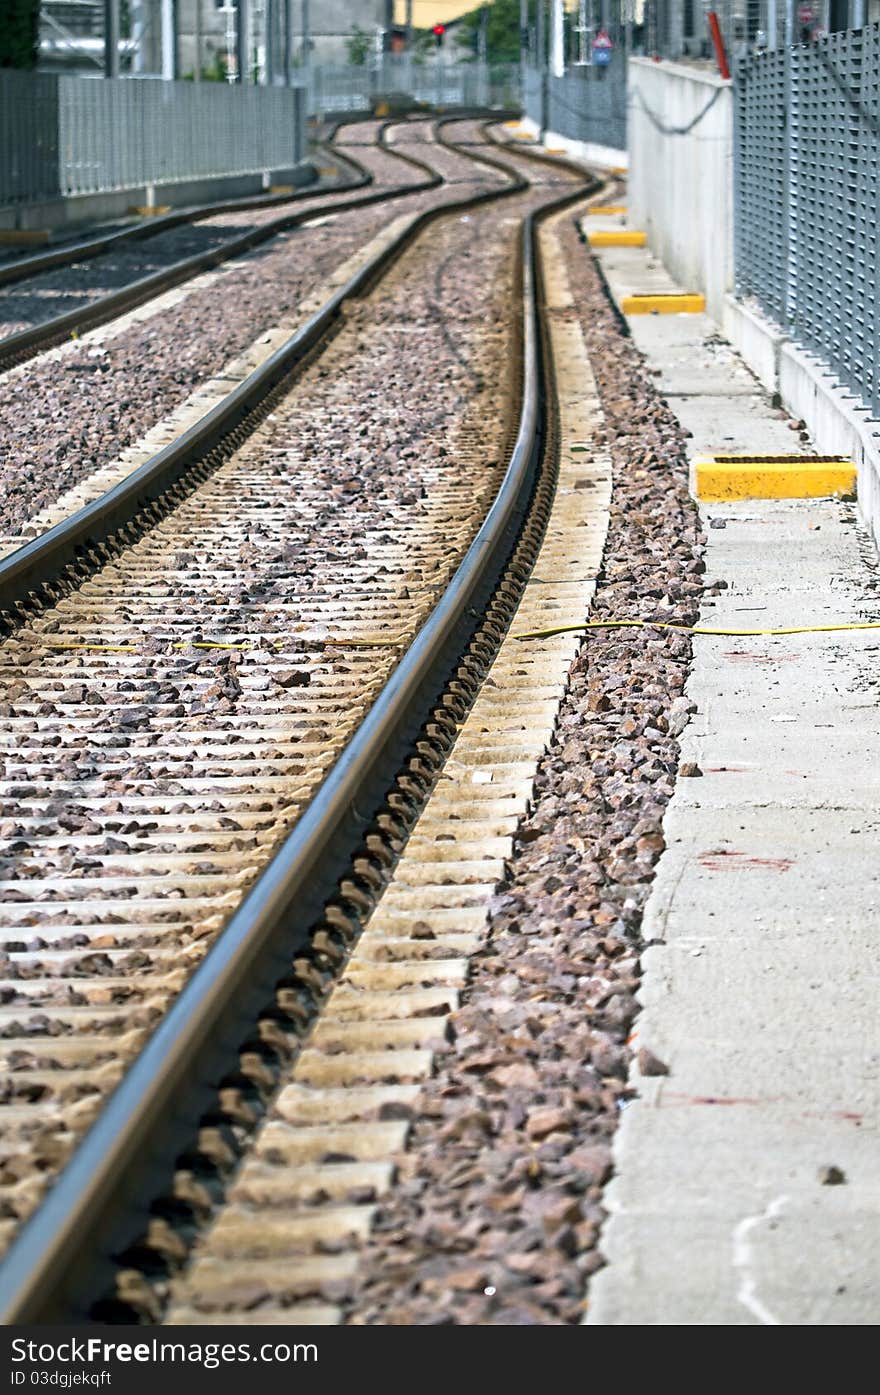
[{"x": 176, "y": 716}]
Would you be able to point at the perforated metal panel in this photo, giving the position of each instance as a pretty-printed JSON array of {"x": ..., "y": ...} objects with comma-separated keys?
[{"x": 806, "y": 150}]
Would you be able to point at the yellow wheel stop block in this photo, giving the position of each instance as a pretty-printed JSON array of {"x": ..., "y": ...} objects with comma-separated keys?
[
  {"x": 673, "y": 303},
  {"x": 618, "y": 237},
  {"x": 725, "y": 477}
]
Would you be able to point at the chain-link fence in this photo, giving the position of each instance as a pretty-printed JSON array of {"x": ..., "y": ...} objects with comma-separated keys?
[{"x": 807, "y": 159}]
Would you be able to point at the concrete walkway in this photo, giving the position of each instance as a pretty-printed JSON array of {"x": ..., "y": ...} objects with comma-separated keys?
[{"x": 747, "y": 1188}]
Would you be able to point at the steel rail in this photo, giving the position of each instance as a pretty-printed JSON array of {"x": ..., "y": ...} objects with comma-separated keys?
[
  {"x": 63, "y": 1255},
  {"x": 40, "y": 562},
  {"x": 17, "y": 347},
  {"x": 22, "y": 268}
]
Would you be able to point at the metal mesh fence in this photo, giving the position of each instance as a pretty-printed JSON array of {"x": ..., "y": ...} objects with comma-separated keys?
[
  {"x": 807, "y": 146},
  {"x": 28, "y": 137},
  {"x": 63, "y": 135},
  {"x": 586, "y": 104},
  {"x": 67, "y": 135},
  {"x": 344, "y": 87}
]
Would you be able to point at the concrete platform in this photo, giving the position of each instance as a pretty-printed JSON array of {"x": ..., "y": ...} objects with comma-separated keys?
[{"x": 760, "y": 987}]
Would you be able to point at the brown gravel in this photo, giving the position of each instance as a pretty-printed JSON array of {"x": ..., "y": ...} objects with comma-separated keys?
[
  {"x": 345, "y": 511},
  {"x": 71, "y": 287},
  {"x": 61, "y": 419},
  {"x": 496, "y": 1217}
]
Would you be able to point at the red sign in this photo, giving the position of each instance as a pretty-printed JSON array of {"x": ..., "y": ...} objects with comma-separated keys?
[
  {"x": 603, "y": 40},
  {"x": 805, "y": 13}
]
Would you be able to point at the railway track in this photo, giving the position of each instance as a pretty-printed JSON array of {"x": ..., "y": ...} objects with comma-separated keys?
[
  {"x": 190, "y": 690},
  {"x": 154, "y": 262}
]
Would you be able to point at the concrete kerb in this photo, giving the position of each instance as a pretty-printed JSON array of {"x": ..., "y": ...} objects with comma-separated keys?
[
  {"x": 592, "y": 156},
  {"x": 834, "y": 419}
]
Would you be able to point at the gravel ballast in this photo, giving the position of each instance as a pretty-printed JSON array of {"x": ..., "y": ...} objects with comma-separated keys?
[
  {"x": 496, "y": 1215},
  {"x": 64, "y": 416}
]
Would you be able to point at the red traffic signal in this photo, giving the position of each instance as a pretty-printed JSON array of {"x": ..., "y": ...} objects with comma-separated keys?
[{"x": 438, "y": 31}]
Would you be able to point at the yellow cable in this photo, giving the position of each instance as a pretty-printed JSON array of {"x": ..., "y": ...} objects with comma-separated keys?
[
  {"x": 689, "y": 629},
  {"x": 212, "y": 644}
]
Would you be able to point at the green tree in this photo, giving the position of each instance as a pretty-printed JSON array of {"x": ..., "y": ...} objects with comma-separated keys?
[
  {"x": 358, "y": 45},
  {"x": 502, "y": 29},
  {"x": 19, "y": 33}
]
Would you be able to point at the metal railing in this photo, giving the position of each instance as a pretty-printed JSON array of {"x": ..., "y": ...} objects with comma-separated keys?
[
  {"x": 345, "y": 87},
  {"x": 807, "y": 158},
  {"x": 63, "y": 135}
]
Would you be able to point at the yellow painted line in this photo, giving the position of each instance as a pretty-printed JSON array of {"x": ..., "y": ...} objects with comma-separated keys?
[
  {"x": 622, "y": 237},
  {"x": 608, "y": 208},
  {"x": 553, "y": 150},
  {"x": 150, "y": 210},
  {"x": 619, "y": 169},
  {"x": 674, "y": 304},
  {"x": 724, "y": 477},
  {"x": 288, "y": 188}
]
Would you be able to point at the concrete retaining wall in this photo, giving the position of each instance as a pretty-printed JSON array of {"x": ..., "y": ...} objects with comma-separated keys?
[{"x": 681, "y": 173}]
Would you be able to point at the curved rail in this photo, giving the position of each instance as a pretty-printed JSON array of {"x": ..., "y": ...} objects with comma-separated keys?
[
  {"x": 99, "y": 1203},
  {"x": 15, "y": 348},
  {"x": 41, "y": 562},
  {"x": 22, "y": 268}
]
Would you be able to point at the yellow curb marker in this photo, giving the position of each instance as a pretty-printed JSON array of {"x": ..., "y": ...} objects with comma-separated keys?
[
  {"x": 722, "y": 477},
  {"x": 25, "y": 237},
  {"x": 608, "y": 209},
  {"x": 621, "y": 237},
  {"x": 149, "y": 210},
  {"x": 282, "y": 188},
  {"x": 672, "y": 304}
]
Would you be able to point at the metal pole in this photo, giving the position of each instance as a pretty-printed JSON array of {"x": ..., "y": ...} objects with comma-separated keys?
[
  {"x": 858, "y": 14},
  {"x": 138, "y": 57},
  {"x": 288, "y": 42},
  {"x": 306, "y": 35},
  {"x": 523, "y": 48},
  {"x": 772, "y": 25},
  {"x": 241, "y": 41},
  {"x": 169, "y": 40},
  {"x": 557, "y": 55},
  {"x": 270, "y": 25},
  {"x": 197, "y": 66},
  {"x": 789, "y": 22},
  {"x": 111, "y": 38},
  {"x": 541, "y": 61}
]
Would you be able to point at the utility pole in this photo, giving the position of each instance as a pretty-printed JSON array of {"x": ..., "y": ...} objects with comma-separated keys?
[{"x": 111, "y": 38}]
